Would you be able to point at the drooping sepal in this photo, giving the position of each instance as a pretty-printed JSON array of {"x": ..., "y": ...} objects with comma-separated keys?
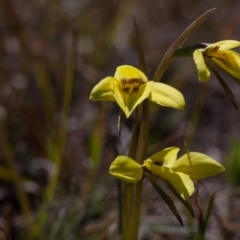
[{"x": 126, "y": 169}]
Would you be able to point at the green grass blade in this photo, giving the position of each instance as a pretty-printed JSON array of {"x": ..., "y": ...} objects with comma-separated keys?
[
  {"x": 167, "y": 58},
  {"x": 178, "y": 196},
  {"x": 225, "y": 87},
  {"x": 165, "y": 197},
  {"x": 208, "y": 214},
  {"x": 141, "y": 58}
]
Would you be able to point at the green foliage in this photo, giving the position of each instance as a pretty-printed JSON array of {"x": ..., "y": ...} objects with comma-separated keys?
[{"x": 232, "y": 162}]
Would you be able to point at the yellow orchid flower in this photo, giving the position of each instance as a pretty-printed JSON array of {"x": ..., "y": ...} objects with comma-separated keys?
[
  {"x": 179, "y": 173},
  {"x": 129, "y": 87},
  {"x": 221, "y": 54}
]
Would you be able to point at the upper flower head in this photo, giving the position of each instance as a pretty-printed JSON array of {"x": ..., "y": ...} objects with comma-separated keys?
[
  {"x": 179, "y": 173},
  {"x": 221, "y": 54},
  {"x": 129, "y": 87}
]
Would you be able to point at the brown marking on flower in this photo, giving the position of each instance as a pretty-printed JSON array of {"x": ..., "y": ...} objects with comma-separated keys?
[
  {"x": 209, "y": 52},
  {"x": 131, "y": 85}
]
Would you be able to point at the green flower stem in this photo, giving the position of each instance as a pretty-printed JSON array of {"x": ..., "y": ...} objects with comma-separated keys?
[
  {"x": 124, "y": 215},
  {"x": 128, "y": 207},
  {"x": 128, "y": 188},
  {"x": 120, "y": 206},
  {"x": 142, "y": 152},
  {"x": 143, "y": 133}
]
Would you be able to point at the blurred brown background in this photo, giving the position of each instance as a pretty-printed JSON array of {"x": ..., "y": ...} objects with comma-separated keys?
[{"x": 56, "y": 145}]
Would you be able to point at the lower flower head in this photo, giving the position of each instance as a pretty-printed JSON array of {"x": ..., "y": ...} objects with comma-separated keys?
[{"x": 164, "y": 164}]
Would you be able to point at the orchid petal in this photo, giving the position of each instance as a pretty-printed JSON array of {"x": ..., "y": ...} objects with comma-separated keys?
[
  {"x": 128, "y": 102},
  {"x": 203, "y": 72},
  {"x": 167, "y": 96},
  {"x": 103, "y": 90},
  {"x": 197, "y": 165},
  {"x": 166, "y": 157},
  {"x": 179, "y": 181},
  {"x": 126, "y": 169},
  {"x": 229, "y": 61},
  {"x": 129, "y": 72},
  {"x": 225, "y": 45}
]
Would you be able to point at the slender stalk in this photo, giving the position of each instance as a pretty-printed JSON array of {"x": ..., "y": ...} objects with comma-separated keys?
[
  {"x": 120, "y": 206},
  {"x": 128, "y": 188},
  {"x": 127, "y": 202},
  {"x": 129, "y": 208},
  {"x": 142, "y": 152}
]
